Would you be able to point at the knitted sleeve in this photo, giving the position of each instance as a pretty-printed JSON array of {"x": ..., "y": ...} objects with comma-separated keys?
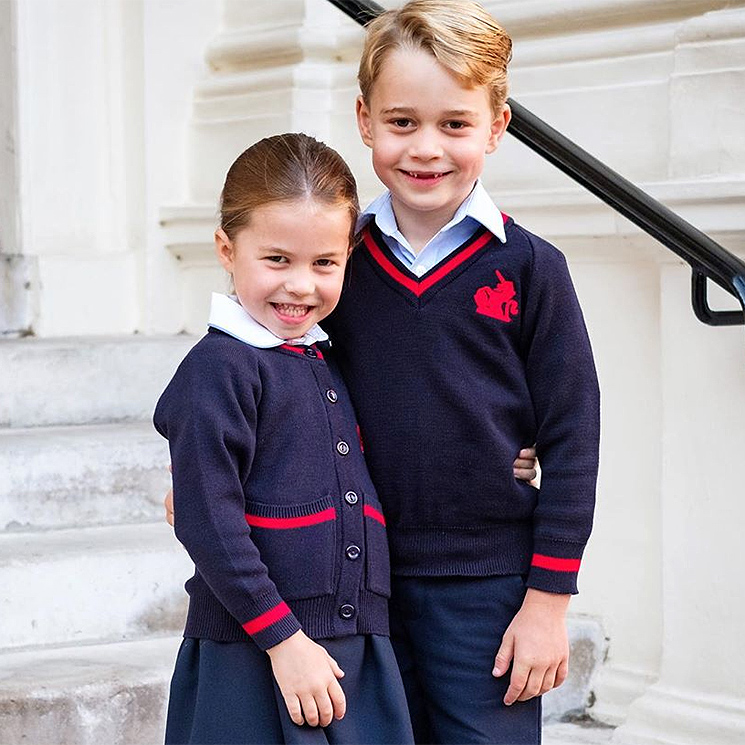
[
  {"x": 208, "y": 413},
  {"x": 563, "y": 384}
]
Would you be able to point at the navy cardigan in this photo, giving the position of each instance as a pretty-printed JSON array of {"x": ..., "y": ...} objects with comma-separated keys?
[
  {"x": 451, "y": 374},
  {"x": 272, "y": 498}
]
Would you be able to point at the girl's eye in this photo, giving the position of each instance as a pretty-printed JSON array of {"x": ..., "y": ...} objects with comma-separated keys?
[
  {"x": 324, "y": 262},
  {"x": 276, "y": 259}
]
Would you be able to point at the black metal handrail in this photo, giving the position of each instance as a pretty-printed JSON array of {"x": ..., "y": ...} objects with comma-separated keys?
[{"x": 708, "y": 260}]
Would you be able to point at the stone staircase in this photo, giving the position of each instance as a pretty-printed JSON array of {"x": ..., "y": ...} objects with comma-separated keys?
[{"x": 91, "y": 577}]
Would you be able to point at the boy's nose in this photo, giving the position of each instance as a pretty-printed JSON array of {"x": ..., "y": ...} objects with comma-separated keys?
[{"x": 425, "y": 146}]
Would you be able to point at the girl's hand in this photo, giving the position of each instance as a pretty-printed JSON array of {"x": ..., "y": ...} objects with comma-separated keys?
[
  {"x": 525, "y": 465},
  {"x": 307, "y": 677}
]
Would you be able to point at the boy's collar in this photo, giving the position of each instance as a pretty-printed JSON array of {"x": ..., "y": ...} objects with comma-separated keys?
[
  {"x": 229, "y": 316},
  {"x": 478, "y": 205}
]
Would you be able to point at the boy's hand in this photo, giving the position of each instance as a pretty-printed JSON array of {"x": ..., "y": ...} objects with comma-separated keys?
[
  {"x": 307, "y": 677},
  {"x": 537, "y": 645},
  {"x": 524, "y": 466},
  {"x": 168, "y": 504}
]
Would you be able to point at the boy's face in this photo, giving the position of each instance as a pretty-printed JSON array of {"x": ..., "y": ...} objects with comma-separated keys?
[
  {"x": 288, "y": 263},
  {"x": 429, "y": 135}
]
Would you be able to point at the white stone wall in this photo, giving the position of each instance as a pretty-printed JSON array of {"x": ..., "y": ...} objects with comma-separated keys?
[{"x": 119, "y": 118}]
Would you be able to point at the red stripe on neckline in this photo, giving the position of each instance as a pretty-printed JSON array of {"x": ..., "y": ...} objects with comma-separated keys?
[
  {"x": 374, "y": 514},
  {"x": 287, "y": 523},
  {"x": 267, "y": 619},
  {"x": 554, "y": 564},
  {"x": 419, "y": 288},
  {"x": 301, "y": 350}
]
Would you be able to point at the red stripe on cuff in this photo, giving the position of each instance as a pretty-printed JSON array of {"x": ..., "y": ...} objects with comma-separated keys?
[
  {"x": 374, "y": 514},
  {"x": 285, "y": 523},
  {"x": 554, "y": 564},
  {"x": 267, "y": 619}
]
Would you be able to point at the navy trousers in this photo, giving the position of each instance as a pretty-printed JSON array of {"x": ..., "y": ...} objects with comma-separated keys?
[
  {"x": 446, "y": 632},
  {"x": 225, "y": 693}
]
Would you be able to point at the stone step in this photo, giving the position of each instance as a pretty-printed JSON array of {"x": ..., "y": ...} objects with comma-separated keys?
[
  {"x": 117, "y": 693},
  {"x": 46, "y": 382},
  {"x": 76, "y": 476},
  {"x": 87, "y": 695},
  {"x": 91, "y": 584}
]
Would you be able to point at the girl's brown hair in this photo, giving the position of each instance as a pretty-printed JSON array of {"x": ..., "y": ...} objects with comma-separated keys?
[
  {"x": 284, "y": 168},
  {"x": 459, "y": 34}
]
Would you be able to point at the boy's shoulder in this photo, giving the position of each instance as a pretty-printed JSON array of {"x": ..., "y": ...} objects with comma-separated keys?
[{"x": 518, "y": 234}]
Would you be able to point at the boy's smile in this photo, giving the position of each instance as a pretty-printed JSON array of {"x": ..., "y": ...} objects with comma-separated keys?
[
  {"x": 429, "y": 135},
  {"x": 288, "y": 263}
]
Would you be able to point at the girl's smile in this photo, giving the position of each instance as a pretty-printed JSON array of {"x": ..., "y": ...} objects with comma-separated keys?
[{"x": 288, "y": 263}]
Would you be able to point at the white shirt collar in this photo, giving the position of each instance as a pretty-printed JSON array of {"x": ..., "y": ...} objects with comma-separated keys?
[
  {"x": 477, "y": 205},
  {"x": 228, "y": 315}
]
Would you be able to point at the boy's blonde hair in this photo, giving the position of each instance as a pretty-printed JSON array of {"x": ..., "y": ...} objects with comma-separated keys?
[{"x": 460, "y": 34}]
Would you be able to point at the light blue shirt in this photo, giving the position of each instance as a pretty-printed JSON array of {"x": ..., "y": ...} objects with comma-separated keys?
[{"x": 477, "y": 209}]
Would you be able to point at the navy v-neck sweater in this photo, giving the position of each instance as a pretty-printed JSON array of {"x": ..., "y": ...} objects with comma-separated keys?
[
  {"x": 272, "y": 497},
  {"x": 451, "y": 374}
]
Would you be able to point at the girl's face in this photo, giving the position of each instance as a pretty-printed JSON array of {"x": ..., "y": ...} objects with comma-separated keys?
[{"x": 288, "y": 263}]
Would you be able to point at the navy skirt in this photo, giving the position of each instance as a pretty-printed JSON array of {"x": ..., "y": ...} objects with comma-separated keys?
[{"x": 224, "y": 693}]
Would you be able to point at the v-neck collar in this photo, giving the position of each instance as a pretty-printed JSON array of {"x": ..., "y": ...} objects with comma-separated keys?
[{"x": 404, "y": 278}]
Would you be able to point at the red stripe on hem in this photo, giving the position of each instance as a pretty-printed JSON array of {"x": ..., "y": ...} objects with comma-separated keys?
[
  {"x": 419, "y": 288},
  {"x": 374, "y": 514},
  {"x": 267, "y": 619},
  {"x": 286, "y": 523},
  {"x": 554, "y": 564}
]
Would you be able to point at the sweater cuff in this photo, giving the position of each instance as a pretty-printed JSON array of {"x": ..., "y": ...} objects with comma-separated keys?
[
  {"x": 554, "y": 566},
  {"x": 272, "y": 626}
]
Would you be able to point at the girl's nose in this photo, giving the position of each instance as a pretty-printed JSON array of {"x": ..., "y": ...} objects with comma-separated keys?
[{"x": 300, "y": 283}]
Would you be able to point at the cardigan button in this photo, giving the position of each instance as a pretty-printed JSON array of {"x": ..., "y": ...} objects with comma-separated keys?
[
  {"x": 310, "y": 352},
  {"x": 342, "y": 448},
  {"x": 353, "y": 552},
  {"x": 332, "y": 395},
  {"x": 347, "y": 611},
  {"x": 351, "y": 497}
]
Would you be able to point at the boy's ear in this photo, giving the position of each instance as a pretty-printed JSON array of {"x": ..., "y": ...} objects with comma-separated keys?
[
  {"x": 498, "y": 128},
  {"x": 363, "y": 121},
  {"x": 224, "y": 250}
]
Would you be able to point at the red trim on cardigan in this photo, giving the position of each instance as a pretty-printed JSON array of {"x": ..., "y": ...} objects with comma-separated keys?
[
  {"x": 301, "y": 350},
  {"x": 374, "y": 514},
  {"x": 554, "y": 564},
  {"x": 286, "y": 523},
  {"x": 267, "y": 619},
  {"x": 419, "y": 288}
]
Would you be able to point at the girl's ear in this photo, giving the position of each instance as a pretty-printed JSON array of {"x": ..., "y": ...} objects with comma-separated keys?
[
  {"x": 225, "y": 250},
  {"x": 498, "y": 128},
  {"x": 363, "y": 121}
]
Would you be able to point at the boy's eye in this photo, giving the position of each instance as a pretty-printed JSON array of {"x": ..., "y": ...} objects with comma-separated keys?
[
  {"x": 402, "y": 123},
  {"x": 456, "y": 125}
]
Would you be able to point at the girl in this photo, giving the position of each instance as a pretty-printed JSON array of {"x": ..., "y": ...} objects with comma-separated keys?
[{"x": 275, "y": 505}]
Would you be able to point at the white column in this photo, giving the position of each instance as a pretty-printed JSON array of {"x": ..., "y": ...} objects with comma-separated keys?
[
  {"x": 700, "y": 695},
  {"x": 17, "y": 272},
  {"x": 79, "y": 161}
]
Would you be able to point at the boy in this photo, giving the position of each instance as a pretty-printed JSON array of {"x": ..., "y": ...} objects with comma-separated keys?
[{"x": 461, "y": 341}]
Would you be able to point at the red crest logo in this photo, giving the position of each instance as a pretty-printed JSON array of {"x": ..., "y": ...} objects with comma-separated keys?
[{"x": 497, "y": 302}]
